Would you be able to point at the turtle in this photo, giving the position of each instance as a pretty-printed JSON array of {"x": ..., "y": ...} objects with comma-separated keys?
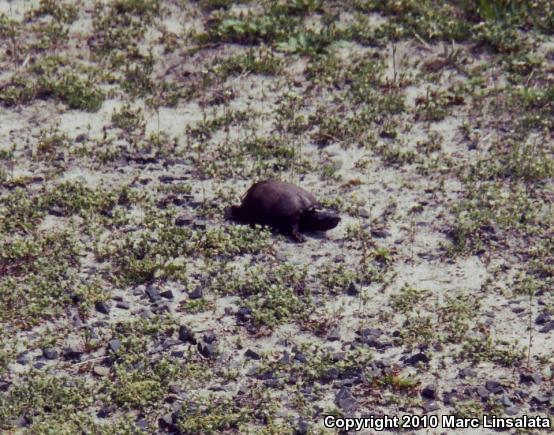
[{"x": 285, "y": 207}]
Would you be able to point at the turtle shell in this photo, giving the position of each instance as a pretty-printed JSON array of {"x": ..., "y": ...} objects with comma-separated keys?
[
  {"x": 276, "y": 203},
  {"x": 283, "y": 206}
]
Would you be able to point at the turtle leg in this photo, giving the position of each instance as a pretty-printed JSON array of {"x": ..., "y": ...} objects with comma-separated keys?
[{"x": 295, "y": 233}]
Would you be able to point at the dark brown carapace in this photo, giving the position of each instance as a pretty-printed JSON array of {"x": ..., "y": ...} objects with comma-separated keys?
[{"x": 283, "y": 206}]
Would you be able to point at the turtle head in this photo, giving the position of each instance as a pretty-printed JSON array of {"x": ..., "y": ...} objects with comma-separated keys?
[
  {"x": 234, "y": 213},
  {"x": 315, "y": 220}
]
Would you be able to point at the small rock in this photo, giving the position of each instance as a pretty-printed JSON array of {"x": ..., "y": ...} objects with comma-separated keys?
[
  {"x": 527, "y": 378},
  {"x": 23, "y": 359},
  {"x": 114, "y": 345},
  {"x": 197, "y": 293},
  {"x": 467, "y": 373},
  {"x": 186, "y": 334},
  {"x": 152, "y": 293},
  {"x": 429, "y": 392},
  {"x": 285, "y": 359},
  {"x": 430, "y": 406},
  {"x": 547, "y": 327},
  {"x": 74, "y": 351},
  {"x": 56, "y": 210},
  {"x": 352, "y": 289},
  {"x": 21, "y": 421},
  {"x": 417, "y": 358},
  {"x": 106, "y": 410},
  {"x": 168, "y": 294},
  {"x": 512, "y": 410},
  {"x": 142, "y": 424},
  {"x": 369, "y": 332},
  {"x": 101, "y": 371},
  {"x": 380, "y": 234},
  {"x": 102, "y": 307},
  {"x": 345, "y": 401},
  {"x": 49, "y": 353},
  {"x": 184, "y": 219},
  {"x": 207, "y": 350},
  {"x": 330, "y": 374},
  {"x": 209, "y": 337},
  {"x": 540, "y": 399},
  {"x": 244, "y": 314},
  {"x": 483, "y": 393},
  {"x": 542, "y": 318},
  {"x": 166, "y": 421},
  {"x": 252, "y": 354},
  {"x": 123, "y": 305},
  {"x": 300, "y": 357},
  {"x": 494, "y": 386},
  {"x": 4, "y": 386},
  {"x": 505, "y": 400},
  {"x": 383, "y": 363},
  {"x": 302, "y": 427},
  {"x": 364, "y": 213}
]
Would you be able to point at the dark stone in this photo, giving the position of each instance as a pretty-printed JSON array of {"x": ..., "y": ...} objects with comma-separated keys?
[
  {"x": 505, "y": 400},
  {"x": 114, "y": 345},
  {"x": 302, "y": 427},
  {"x": 383, "y": 363},
  {"x": 4, "y": 386},
  {"x": 345, "y": 401},
  {"x": 547, "y": 327},
  {"x": 300, "y": 357},
  {"x": 106, "y": 410},
  {"x": 23, "y": 359},
  {"x": 430, "y": 405},
  {"x": 417, "y": 358},
  {"x": 244, "y": 313},
  {"x": 380, "y": 234},
  {"x": 74, "y": 351},
  {"x": 168, "y": 294},
  {"x": 186, "y": 334},
  {"x": 467, "y": 373},
  {"x": 183, "y": 220},
  {"x": 153, "y": 293},
  {"x": 22, "y": 421},
  {"x": 102, "y": 307},
  {"x": 483, "y": 393},
  {"x": 56, "y": 210},
  {"x": 207, "y": 350},
  {"x": 527, "y": 378},
  {"x": 494, "y": 386},
  {"x": 197, "y": 293},
  {"x": 209, "y": 337},
  {"x": 540, "y": 399},
  {"x": 330, "y": 374},
  {"x": 49, "y": 353},
  {"x": 352, "y": 289},
  {"x": 285, "y": 359},
  {"x": 429, "y": 392},
  {"x": 368, "y": 334},
  {"x": 542, "y": 318},
  {"x": 166, "y": 422},
  {"x": 142, "y": 424},
  {"x": 124, "y": 305},
  {"x": 252, "y": 354}
]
